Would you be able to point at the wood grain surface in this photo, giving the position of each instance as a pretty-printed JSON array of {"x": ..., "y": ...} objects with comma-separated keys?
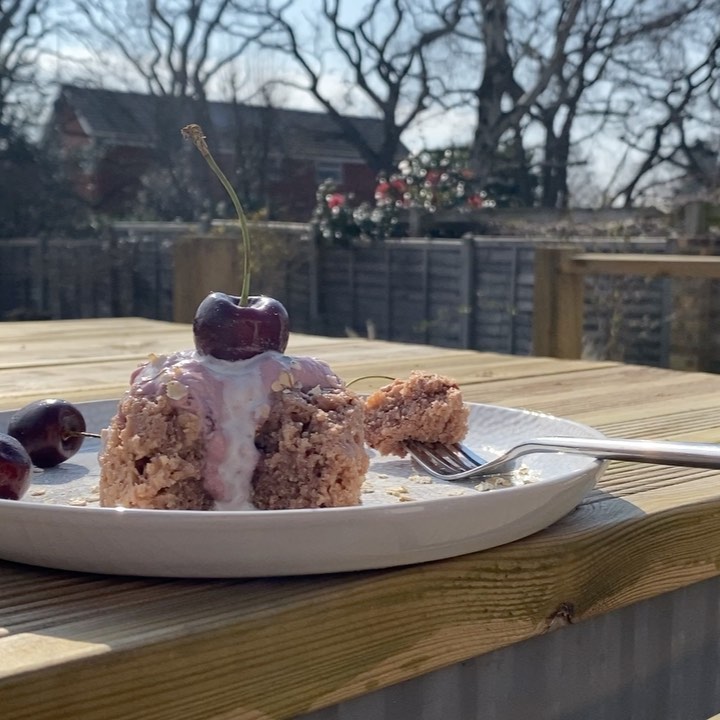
[{"x": 91, "y": 647}]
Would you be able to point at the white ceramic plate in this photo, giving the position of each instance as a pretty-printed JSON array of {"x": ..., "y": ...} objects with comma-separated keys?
[{"x": 404, "y": 518}]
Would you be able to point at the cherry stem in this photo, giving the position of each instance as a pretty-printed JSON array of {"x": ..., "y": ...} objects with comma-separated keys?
[
  {"x": 368, "y": 377},
  {"x": 80, "y": 434},
  {"x": 194, "y": 132}
]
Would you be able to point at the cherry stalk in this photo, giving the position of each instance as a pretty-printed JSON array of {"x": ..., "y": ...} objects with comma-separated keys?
[
  {"x": 229, "y": 327},
  {"x": 194, "y": 132}
]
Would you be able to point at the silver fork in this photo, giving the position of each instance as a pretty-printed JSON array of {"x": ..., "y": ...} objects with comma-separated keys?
[{"x": 458, "y": 462}]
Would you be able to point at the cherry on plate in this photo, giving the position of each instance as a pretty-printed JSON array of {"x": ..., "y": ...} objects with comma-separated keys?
[
  {"x": 15, "y": 468},
  {"x": 51, "y": 431}
]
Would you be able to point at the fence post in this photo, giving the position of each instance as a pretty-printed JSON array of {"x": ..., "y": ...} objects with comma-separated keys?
[
  {"x": 42, "y": 271},
  {"x": 467, "y": 293},
  {"x": 202, "y": 265},
  {"x": 387, "y": 264},
  {"x": 314, "y": 259},
  {"x": 558, "y": 305},
  {"x": 695, "y": 216},
  {"x": 415, "y": 222},
  {"x": 691, "y": 323}
]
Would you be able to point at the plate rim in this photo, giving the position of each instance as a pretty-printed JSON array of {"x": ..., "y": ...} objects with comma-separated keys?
[{"x": 238, "y": 544}]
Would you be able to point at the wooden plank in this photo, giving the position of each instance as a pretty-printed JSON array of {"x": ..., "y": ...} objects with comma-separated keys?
[
  {"x": 91, "y": 359},
  {"x": 543, "y": 301},
  {"x": 639, "y": 264},
  {"x": 569, "y": 316},
  {"x": 558, "y": 305},
  {"x": 615, "y": 393}
]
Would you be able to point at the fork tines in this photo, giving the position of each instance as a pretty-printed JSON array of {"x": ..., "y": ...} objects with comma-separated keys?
[{"x": 438, "y": 456}]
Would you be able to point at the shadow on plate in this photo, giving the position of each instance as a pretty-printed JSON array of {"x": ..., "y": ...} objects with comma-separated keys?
[{"x": 61, "y": 475}]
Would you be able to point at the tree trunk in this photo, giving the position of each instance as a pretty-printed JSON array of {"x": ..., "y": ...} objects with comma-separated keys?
[{"x": 497, "y": 81}]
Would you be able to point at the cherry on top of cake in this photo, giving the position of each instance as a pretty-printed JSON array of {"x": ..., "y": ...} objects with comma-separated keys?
[
  {"x": 236, "y": 327},
  {"x": 229, "y": 330}
]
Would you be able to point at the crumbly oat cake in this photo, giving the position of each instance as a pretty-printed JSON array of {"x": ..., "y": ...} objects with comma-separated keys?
[
  {"x": 272, "y": 432},
  {"x": 312, "y": 453},
  {"x": 424, "y": 407},
  {"x": 153, "y": 457}
]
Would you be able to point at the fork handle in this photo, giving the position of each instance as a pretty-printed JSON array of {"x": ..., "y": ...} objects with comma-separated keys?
[{"x": 659, "y": 452}]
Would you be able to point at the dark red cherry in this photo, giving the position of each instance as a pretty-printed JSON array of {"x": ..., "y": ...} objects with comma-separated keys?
[
  {"x": 228, "y": 330},
  {"x": 51, "y": 431},
  {"x": 15, "y": 468}
]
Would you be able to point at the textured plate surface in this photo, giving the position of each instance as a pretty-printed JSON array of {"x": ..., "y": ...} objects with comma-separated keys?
[{"x": 405, "y": 518}]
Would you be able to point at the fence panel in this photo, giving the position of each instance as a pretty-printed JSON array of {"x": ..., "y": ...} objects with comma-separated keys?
[
  {"x": 501, "y": 268},
  {"x": 409, "y": 293},
  {"x": 21, "y": 279},
  {"x": 454, "y": 293}
]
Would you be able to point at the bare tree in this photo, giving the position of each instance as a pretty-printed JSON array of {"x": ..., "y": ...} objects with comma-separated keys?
[
  {"x": 579, "y": 102},
  {"x": 557, "y": 108},
  {"x": 25, "y": 28},
  {"x": 554, "y": 75},
  {"x": 255, "y": 145},
  {"x": 671, "y": 86},
  {"x": 176, "y": 51},
  {"x": 33, "y": 196},
  {"x": 518, "y": 56},
  {"x": 171, "y": 49},
  {"x": 381, "y": 53}
]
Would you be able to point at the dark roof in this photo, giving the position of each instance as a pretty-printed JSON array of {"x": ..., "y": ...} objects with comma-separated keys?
[{"x": 127, "y": 118}]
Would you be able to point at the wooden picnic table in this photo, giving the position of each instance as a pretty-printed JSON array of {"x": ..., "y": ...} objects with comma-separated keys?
[{"x": 629, "y": 579}]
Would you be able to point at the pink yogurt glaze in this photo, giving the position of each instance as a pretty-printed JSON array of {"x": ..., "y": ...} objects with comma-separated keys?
[{"x": 234, "y": 397}]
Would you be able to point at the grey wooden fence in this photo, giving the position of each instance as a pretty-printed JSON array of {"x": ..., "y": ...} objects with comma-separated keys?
[
  {"x": 111, "y": 275},
  {"x": 475, "y": 293},
  {"x": 478, "y": 293}
]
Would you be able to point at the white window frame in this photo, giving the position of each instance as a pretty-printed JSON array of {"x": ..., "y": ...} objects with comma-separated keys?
[{"x": 329, "y": 170}]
